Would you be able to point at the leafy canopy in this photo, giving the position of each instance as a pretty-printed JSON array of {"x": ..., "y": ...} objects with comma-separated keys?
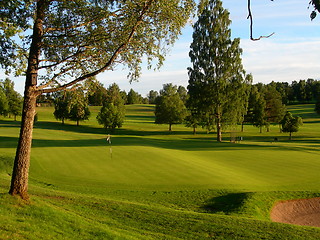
[{"x": 82, "y": 38}]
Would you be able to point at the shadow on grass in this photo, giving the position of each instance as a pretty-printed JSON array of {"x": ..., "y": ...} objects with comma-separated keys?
[
  {"x": 227, "y": 204},
  {"x": 127, "y": 137},
  {"x": 69, "y": 127}
]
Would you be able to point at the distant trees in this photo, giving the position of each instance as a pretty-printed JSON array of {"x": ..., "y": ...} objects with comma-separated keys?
[
  {"x": 170, "y": 108},
  {"x": 112, "y": 113},
  {"x": 218, "y": 86},
  {"x": 96, "y": 92},
  {"x": 317, "y": 107},
  {"x": 71, "y": 105},
  {"x": 290, "y": 124},
  {"x": 274, "y": 109},
  {"x": 152, "y": 96},
  {"x": 62, "y": 106},
  {"x": 133, "y": 97},
  {"x": 265, "y": 106},
  {"x": 10, "y": 100},
  {"x": 256, "y": 109}
]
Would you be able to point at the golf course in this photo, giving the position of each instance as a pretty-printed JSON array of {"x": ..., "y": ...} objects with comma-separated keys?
[{"x": 149, "y": 183}]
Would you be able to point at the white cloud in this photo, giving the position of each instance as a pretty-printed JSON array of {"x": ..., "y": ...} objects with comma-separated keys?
[{"x": 270, "y": 60}]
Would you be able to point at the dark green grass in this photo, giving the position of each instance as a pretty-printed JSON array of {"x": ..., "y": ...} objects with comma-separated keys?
[{"x": 156, "y": 184}]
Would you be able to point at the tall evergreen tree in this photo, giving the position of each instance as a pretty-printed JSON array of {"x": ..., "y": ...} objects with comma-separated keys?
[{"x": 217, "y": 82}]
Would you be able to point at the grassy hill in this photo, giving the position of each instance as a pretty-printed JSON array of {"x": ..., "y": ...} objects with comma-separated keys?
[{"x": 152, "y": 184}]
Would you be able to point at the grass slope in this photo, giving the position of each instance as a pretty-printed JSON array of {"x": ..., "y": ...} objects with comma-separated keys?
[{"x": 156, "y": 184}]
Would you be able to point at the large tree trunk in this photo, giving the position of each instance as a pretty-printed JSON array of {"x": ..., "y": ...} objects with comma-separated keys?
[
  {"x": 20, "y": 174},
  {"x": 19, "y": 180}
]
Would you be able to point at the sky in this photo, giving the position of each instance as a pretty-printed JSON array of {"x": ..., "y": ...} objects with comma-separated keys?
[{"x": 291, "y": 54}]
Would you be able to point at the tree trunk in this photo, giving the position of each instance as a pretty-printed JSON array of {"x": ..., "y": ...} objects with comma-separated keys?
[
  {"x": 20, "y": 174},
  {"x": 170, "y": 128},
  {"x": 290, "y": 137},
  {"x": 219, "y": 134},
  {"x": 194, "y": 130}
]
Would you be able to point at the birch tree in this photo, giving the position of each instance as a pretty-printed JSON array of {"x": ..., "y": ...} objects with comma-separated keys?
[{"x": 218, "y": 85}]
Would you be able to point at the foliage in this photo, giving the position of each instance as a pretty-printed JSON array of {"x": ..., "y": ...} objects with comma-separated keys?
[
  {"x": 274, "y": 108},
  {"x": 170, "y": 109},
  {"x": 152, "y": 95},
  {"x": 62, "y": 105},
  {"x": 79, "y": 109},
  {"x": 4, "y": 106},
  {"x": 217, "y": 82},
  {"x": 133, "y": 97},
  {"x": 96, "y": 93},
  {"x": 290, "y": 124},
  {"x": 112, "y": 113},
  {"x": 317, "y": 107},
  {"x": 12, "y": 100},
  {"x": 256, "y": 109},
  {"x": 82, "y": 38}
]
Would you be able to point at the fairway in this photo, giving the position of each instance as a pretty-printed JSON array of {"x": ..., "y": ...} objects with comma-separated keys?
[{"x": 154, "y": 184}]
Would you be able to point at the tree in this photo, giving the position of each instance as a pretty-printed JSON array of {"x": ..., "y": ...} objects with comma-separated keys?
[
  {"x": 62, "y": 106},
  {"x": 112, "y": 113},
  {"x": 256, "y": 109},
  {"x": 95, "y": 91},
  {"x": 317, "y": 106},
  {"x": 152, "y": 96},
  {"x": 217, "y": 82},
  {"x": 14, "y": 99},
  {"x": 133, "y": 97},
  {"x": 79, "y": 109},
  {"x": 274, "y": 109},
  {"x": 170, "y": 109},
  {"x": 290, "y": 124},
  {"x": 71, "y": 41},
  {"x": 4, "y": 106},
  {"x": 183, "y": 93}
]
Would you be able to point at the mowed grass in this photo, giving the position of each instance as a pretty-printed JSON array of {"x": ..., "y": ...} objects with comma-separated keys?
[{"x": 152, "y": 184}]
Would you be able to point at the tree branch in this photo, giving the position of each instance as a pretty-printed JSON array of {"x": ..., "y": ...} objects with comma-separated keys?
[
  {"x": 111, "y": 60},
  {"x": 251, "y": 24}
]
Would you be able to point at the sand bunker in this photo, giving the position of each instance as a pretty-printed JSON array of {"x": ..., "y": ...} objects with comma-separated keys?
[{"x": 299, "y": 212}]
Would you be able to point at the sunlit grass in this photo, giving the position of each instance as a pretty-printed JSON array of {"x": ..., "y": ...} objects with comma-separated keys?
[{"x": 152, "y": 184}]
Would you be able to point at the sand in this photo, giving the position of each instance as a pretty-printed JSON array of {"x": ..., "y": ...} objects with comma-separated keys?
[{"x": 299, "y": 212}]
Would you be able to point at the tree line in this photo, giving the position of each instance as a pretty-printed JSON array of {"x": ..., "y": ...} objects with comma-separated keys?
[
  {"x": 63, "y": 46},
  {"x": 10, "y": 100}
]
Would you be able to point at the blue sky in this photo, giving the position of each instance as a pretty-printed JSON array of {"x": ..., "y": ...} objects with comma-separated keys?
[{"x": 292, "y": 53}]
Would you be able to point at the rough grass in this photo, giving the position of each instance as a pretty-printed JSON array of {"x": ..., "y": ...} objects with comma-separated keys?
[{"x": 156, "y": 184}]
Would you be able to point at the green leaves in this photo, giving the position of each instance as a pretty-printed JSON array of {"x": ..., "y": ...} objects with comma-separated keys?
[
  {"x": 112, "y": 113},
  {"x": 218, "y": 85},
  {"x": 170, "y": 108}
]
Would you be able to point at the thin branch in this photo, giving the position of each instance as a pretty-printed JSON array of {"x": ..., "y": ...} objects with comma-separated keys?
[
  {"x": 251, "y": 24},
  {"x": 111, "y": 60}
]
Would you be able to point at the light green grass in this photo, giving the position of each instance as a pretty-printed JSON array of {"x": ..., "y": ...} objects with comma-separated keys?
[{"x": 156, "y": 184}]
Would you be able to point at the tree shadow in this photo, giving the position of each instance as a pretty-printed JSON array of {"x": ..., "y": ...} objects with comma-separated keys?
[
  {"x": 226, "y": 204},
  {"x": 8, "y": 142},
  {"x": 69, "y": 127}
]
